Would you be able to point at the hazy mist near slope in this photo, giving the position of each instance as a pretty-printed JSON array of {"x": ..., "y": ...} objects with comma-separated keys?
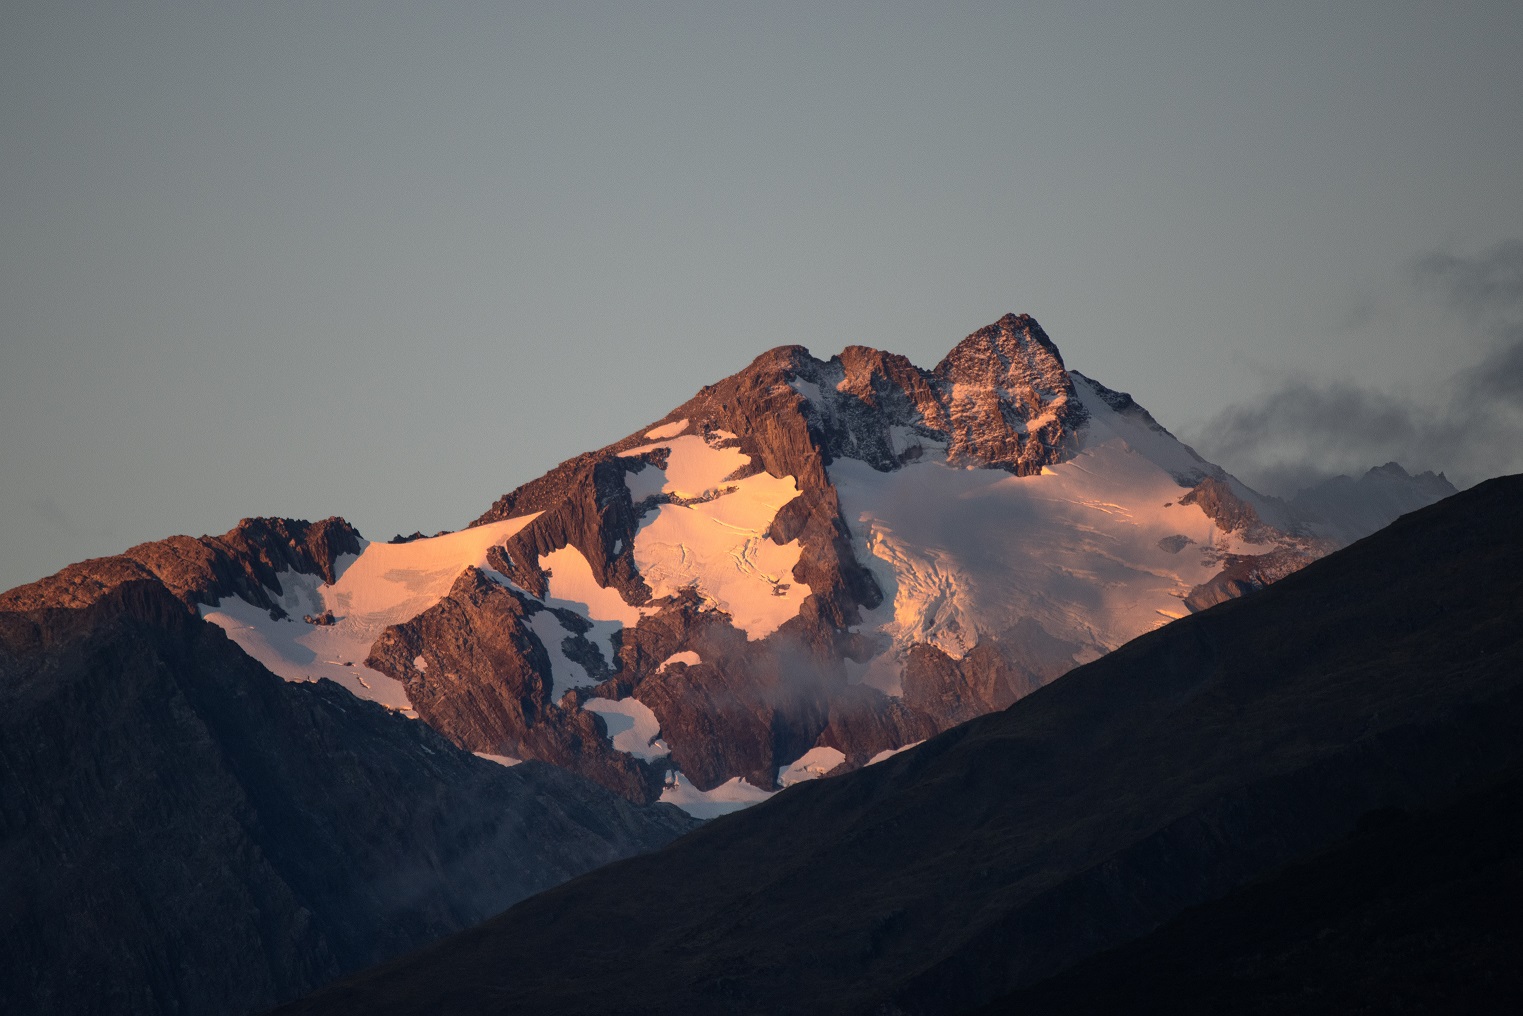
[{"x": 1467, "y": 424}]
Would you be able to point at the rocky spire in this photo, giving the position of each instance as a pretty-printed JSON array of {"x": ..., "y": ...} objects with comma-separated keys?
[{"x": 1008, "y": 397}]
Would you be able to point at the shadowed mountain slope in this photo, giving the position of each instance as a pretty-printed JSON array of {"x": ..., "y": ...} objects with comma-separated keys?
[
  {"x": 183, "y": 832},
  {"x": 1182, "y": 766}
]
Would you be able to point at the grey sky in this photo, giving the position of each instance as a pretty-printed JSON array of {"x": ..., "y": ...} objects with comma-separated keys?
[{"x": 390, "y": 262}]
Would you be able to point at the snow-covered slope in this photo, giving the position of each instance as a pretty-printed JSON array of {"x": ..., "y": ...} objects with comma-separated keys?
[
  {"x": 710, "y": 531},
  {"x": 1093, "y": 551}
]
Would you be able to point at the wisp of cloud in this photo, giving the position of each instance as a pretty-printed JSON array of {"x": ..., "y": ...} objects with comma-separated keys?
[{"x": 1307, "y": 429}]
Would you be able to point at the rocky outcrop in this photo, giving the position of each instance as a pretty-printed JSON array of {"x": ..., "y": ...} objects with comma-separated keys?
[
  {"x": 1231, "y": 513},
  {"x": 474, "y": 671},
  {"x": 250, "y": 559},
  {"x": 1001, "y": 398},
  {"x": 583, "y": 503},
  {"x": 865, "y": 723},
  {"x": 78, "y": 585},
  {"x": 1246, "y": 573},
  {"x": 990, "y": 677},
  {"x": 1240, "y": 574},
  {"x": 246, "y": 562},
  {"x": 1009, "y": 400}
]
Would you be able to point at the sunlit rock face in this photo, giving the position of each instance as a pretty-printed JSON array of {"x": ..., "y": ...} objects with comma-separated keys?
[
  {"x": 1009, "y": 402},
  {"x": 811, "y": 559}
]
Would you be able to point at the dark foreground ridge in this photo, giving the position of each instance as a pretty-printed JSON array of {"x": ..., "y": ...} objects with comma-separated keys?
[
  {"x": 184, "y": 832},
  {"x": 1413, "y": 913},
  {"x": 1172, "y": 772}
]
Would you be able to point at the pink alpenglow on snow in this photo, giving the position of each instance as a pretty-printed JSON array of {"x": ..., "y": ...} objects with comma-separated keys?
[{"x": 385, "y": 584}]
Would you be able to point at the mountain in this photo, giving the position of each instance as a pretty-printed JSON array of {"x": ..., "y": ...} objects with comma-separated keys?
[
  {"x": 1344, "y": 509},
  {"x": 184, "y": 832},
  {"x": 806, "y": 567},
  {"x": 223, "y": 774},
  {"x": 1386, "y": 678}
]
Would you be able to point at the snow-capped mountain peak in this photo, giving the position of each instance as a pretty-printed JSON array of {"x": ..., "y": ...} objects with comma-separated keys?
[{"x": 807, "y": 566}]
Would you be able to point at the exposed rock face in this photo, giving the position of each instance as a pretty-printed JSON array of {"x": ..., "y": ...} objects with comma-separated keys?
[
  {"x": 249, "y": 559},
  {"x": 186, "y": 833},
  {"x": 1232, "y": 513},
  {"x": 1246, "y": 573},
  {"x": 475, "y": 630},
  {"x": 484, "y": 682},
  {"x": 1000, "y": 399},
  {"x": 991, "y": 677},
  {"x": 1009, "y": 401},
  {"x": 246, "y": 562}
]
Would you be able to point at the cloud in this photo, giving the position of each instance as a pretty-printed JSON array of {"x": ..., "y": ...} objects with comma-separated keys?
[
  {"x": 1499, "y": 378},
  {"x": 1489, "y": 284},
  {"x": 1307, "y": 429}
]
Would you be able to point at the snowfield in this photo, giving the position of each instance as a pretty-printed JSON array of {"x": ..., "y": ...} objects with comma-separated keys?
[
  {"x": 572, "y": 586},
  {"x": 565, "y": 673},
  {"x": 686, "y": 657},
  {"x": 813, "y": 764},
  {"x": 632, "y": 727},
  {"x": 1083, "y": 549},
  {"x": 732, "y": 795},
  {"x": 717, "y": 542}
]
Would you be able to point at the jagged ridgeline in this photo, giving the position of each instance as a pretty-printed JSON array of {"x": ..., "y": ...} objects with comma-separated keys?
[{"x": 803, "y": 569}]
